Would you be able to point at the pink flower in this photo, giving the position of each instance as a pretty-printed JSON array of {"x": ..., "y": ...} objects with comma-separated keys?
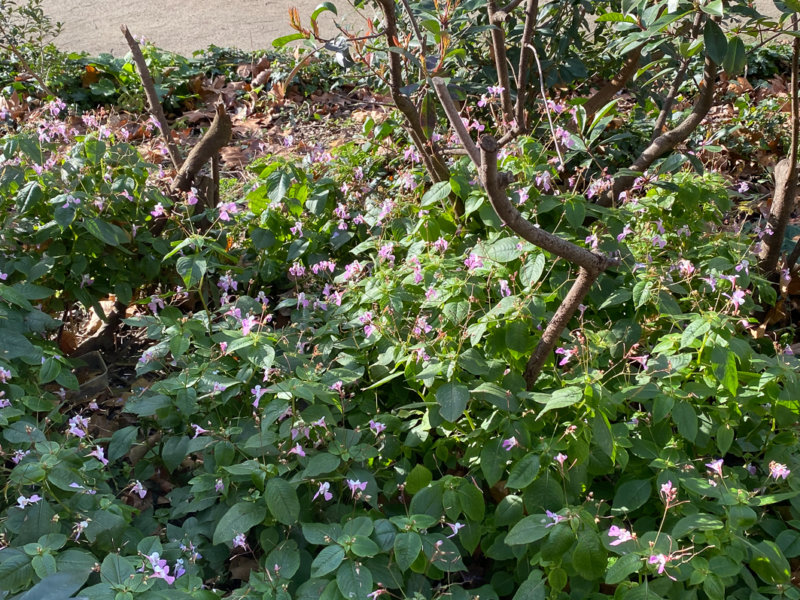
[
  {"x": 297, "y": 270},
  {"x": 567, "y": 354},
  {"x": 78, "y": 529},
  {"x": 440, "y": 245},
  {"x": 160, "y": 568},
  {"x": 225, "y": 208},
  {"x": 505, "y": 291},
  {"x": 561, "y": 458},
  {"x": 659, "y": 559},
  {"x": 473, "y": 262},
  {"x": 240, "y": 541},
  {"x": 778, "y": 470},
  {"x": 556, "y": 518},
  {"x": 99, "y": 454},
  {"x": 138, "y": 488},
  {"x": 510, "y": 443},
  {"x": 356, "y": 487},
  {"x": 385, "y": 253},
  {"x": 626, "y": 231},
  {"x": 219, "y": 486},
  {"x": 376, "y": 427},
  {"x": 298, "y": 450},
  {"x": 622, "y": 535},
  {"x": 78, "y": 425},
  {"x": 669, "y": 493},
  {"x": 158, "y": 210},
  {"x": 22, "y": 501},
  {"x": 257, "y": 392},
  {"x": 324, "y": 491},
  {"x": 198, "y": 430},
  {"x": 455, "y": 527},
  {"x": 715, "y": 466},
  {"x": 431, "y": 293},
  {"x": 737, "y": 299}
]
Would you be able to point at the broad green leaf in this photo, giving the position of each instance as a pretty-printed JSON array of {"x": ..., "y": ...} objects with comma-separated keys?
[
  {"x": 529, "y": 529},
  {"x": 192, "y": 269},
  {"x": 622, "y": 568},
  {"x": 452, "y": 399},
  {"x": 282, "y": 501},
  {"x": 407, "y": 547},
  {"x": 418, "y": 478},
  {"x": 769, "y": 563},
  {"x": 701, "y": 522},
  {"x": 509, "y": 510},
  {"x": 327, "y": 561},
  {"x": 715, "y": 42},
  {"x": 503, "y": 250},
  {"x": 589, "y": 557},
  {"x": 438, "y": 192},
  {"x": 735, "y": 57},
  {"x": 697, "y": 328},
  {"x": 631, "y": 495},
  {"x": 560, "y": 398},
  {"x": 532, "y": 270},
  {"x": 321, "y": 464},
  {"x": 533, "y": 588},
  {"x": 240, "y": 518},
  {"x": 641, "y": 292},
  {"x": 105, "y": 232},
  {"x": 524, "y": 472},
  {"x": 364, "y": 547},
  {"x": 115, "y": 570},
  {"x": 354, "y": 580}
]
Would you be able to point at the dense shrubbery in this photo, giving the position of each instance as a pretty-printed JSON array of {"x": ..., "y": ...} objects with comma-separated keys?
[{"x": 330, "y": 400}]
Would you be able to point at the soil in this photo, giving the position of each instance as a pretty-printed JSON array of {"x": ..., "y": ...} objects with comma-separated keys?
[{"x": 184, "y": 26}]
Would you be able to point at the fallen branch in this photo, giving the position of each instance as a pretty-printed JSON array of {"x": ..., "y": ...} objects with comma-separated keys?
[
  {"x": 215, "y": 138},
  {"x": 152, "y": 97}
]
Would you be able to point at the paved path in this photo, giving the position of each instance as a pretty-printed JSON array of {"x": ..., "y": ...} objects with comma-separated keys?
[
  {"x": 183, "y": 25},
  {"x": 187, "y": 25}
]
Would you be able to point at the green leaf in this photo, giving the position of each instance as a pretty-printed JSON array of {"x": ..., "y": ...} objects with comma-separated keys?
[
  {"x": 56, "y": 586},
  {"x": 524, "y": 472},
  {"x": 713, "y": 8},
  {"x": 282, "y": 501},
  {"x": 427, "y": 115},
  {"x": 354, "y": 581},
  {"x": 614, "y": 17},
  {"x": 51, "y": 369},
  {"x": 518, "y": 336},
  {"x": 418, "y": 478},
  {"x": 622, "y": 568},
  {"x": 533, "y": 588},
  {"x": 285, "y": 39},
  {"x": 698, "y": 327},
  {"x": 532, "y": 270},
  {"x": 715, "y": 42},
  {"x": 641, "y": 292},
  {"x": 364, "y": 547},
  {"x": 728, "y": 374},
  {"x": 438, "y": 191},
  {"x": 528, "y": 530},
  {"x": 323, "y": 7},
  {"x": 499, "y": 397},
  {"x": 452, "y": 399},
  {"x": 105, "y": 232},
  {"x": 493, "y": 461},
  {"x": 702, "y": 522},
  {"x": 735, "y": 57},
  {"x": 121, "y": 442},
  {"x": 28, "y": 196},
  {"x": 116, "y": 570},
  {"x": 321, "y": 464},
  {"x": 407, "y": 547},
  {"x": 560, "y": 398},
  {"x": 589, "y": 557},
  {"x": 192, "y": 269},
  {"x": 470, "y": 497},
  {"x": 503, "y": 250},
  {"x": 327, "y": 561},
  {"x": 685, "y": 417},
  {"x": 769, "y": 563},
  {"x": 428, "y": 501},
  {"x": 240, "y": 518},
  {"x": 631, "y": 495}
]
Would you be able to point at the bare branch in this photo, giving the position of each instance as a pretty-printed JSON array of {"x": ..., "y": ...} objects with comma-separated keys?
[
  {"x": 455, "y": 120},
  {"x": 500, "y": 59},
  {"x": 558, "y": 322},
  {"x": 546, "y": 107},
  {"x": 216, "y": 137},
  {"x": 415, "y": 27},
  {"x": 669, "y": 140},
  {"x": 513, "y": 219},
  {"x": 604, "y": 95},
  {"x": 525, "y": 58},
  {"x": 152, "y": 98}
]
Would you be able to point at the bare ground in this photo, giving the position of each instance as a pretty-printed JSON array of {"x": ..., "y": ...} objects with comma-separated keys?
[{"x": 184, "y": 26}]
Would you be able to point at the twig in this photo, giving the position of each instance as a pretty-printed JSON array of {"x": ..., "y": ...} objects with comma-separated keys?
[
  {"x": 771, "y": 259},
  {"x": 511, "y": 6},
  {"x": 152, "y": 98},
  {"x": 525, "y": 56},
  {"x": 28, "y": 68},
  {"x": 500, "y": 59},
  {"x": 415, "y": 26},
  {"x": 604, "y": 95},
  {"x": 544, "y": 99}
]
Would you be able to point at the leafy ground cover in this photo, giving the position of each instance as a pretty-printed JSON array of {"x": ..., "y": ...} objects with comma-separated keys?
[{"x": 315, "y": 386}]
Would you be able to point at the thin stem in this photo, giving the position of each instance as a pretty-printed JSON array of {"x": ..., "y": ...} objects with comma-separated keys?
[{"x": 544, "y": 99}]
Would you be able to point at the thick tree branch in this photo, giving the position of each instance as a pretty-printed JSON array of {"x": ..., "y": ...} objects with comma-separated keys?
[
  {"x": 433, "y": 161},
  {"x": 604, "y": 95},
  {"x": 558, "y": 322},
  {"x": 669, "y": 140},
  {"x": 152, "y": 98},
  {"x": 215, "y": 138},
  {"x": 455, "y": 120},
  {"x": 591, "y": 263}
]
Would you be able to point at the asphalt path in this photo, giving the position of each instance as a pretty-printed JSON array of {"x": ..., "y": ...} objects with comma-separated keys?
[{"x": 184, "y": 26}]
